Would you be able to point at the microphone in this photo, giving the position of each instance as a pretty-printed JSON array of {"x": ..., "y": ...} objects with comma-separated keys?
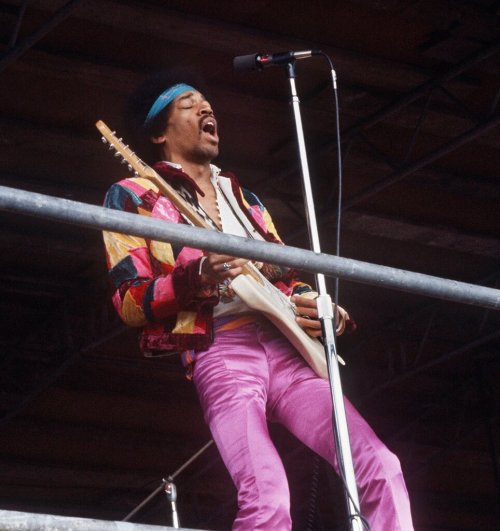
[{"x": 258, "y": 61}]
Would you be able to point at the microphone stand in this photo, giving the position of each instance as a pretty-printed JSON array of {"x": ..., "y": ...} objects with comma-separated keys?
[
  {"x": 168, "y": 486},
  {"x": 326, "y": 317}
]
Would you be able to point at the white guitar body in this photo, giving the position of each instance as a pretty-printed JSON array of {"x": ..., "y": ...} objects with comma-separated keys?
[{"x": 262, "y": 296}]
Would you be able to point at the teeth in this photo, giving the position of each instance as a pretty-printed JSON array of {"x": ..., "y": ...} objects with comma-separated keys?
[{"x": 209, "y": 126}]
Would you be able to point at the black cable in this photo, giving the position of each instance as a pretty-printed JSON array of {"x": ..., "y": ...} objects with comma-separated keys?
[
  {"x": 339, "y": 168},
  {"x": 313, "y": 494},
  {"x": 358, "y": 514}
]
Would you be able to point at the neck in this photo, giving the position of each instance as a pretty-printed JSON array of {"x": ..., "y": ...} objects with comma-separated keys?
[{"x": 200, "y": 173}]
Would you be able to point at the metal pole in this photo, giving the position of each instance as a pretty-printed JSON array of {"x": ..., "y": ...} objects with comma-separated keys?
[
  {"x": 96, "y": 217},
  {"x": 326, "y": 317},
  {"x": 169, "y": 487},
  {"x": 22, "y": 521}
]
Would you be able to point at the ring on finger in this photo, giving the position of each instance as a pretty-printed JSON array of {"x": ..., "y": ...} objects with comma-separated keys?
[{"x": 226, "y": 266}]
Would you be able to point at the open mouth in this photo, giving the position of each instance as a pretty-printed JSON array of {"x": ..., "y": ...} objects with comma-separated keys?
[{"x": 209, "y": 125}]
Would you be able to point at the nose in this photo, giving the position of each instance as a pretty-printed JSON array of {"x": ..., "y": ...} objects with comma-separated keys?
[{"x": 205, "y": 107}]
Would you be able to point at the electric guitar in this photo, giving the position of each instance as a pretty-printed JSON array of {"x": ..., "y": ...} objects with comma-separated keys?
[{"x": 251, "y": 286}]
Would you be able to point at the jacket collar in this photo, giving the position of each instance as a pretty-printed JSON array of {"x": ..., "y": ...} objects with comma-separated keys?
[{"x": 173, "y": 173}]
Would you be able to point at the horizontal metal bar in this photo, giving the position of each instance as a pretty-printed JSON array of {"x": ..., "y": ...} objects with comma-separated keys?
[
  {"x": 83, "y": 214},
  {"x": 21, "y": 521}
]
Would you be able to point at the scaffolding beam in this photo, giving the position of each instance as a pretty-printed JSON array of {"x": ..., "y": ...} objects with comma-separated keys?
[
  {"x": 20, "y": 521},
  {"x": 91, "y": 216}
]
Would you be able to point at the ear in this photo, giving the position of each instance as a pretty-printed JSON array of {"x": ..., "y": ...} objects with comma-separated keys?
[{"x": 161, "y": 139}]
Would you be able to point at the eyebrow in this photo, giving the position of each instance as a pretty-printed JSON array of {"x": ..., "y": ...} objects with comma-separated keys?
[{"x": 190, "y": 95}]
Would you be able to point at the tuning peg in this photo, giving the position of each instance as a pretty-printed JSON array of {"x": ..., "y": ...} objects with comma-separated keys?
[{"x": 104, "y": 141}]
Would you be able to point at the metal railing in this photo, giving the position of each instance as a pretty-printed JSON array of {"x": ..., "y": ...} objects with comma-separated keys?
[{"x": 96, "y": 217}]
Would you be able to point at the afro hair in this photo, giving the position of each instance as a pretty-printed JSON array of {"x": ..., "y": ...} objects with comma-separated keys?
[{"x": 140, "y": 101}]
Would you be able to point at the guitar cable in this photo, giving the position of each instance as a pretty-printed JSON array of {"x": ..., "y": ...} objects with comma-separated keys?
[{"x": 358, "y": 514}]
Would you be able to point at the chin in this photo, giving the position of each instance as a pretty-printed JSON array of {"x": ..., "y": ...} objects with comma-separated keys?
[
  {"x": 204, "y": 157},
  {"x": 211, "y": 152}
]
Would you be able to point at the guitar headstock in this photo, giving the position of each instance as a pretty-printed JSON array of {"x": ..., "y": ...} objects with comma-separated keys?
[{"x": 122, "y": 151}]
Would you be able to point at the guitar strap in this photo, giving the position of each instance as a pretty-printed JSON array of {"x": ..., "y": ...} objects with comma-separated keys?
[
  {"x": 226, "y": 190},
  {"x": 184, "y": 193}
]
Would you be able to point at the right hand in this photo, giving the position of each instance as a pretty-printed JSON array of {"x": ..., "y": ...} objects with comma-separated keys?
[{"x": 307, "y": 316}]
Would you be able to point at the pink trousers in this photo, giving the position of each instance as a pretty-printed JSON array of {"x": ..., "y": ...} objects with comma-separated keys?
[{"x": 251, "y": 375}]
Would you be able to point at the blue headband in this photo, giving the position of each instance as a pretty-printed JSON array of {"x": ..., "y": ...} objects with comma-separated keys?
[{"x": 164, "y": 99}]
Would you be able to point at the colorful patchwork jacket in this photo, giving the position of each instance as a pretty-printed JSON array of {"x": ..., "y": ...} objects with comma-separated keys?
[{"x": 157, "y": 285}]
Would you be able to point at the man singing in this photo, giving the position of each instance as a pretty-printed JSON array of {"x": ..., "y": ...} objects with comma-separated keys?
[{"x": 245, "y": 371}]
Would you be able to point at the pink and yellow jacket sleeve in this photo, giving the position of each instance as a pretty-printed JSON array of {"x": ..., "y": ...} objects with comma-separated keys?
[{"x": 153, "y": 281}]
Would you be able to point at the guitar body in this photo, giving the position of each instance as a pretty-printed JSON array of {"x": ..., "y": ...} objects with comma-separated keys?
[{"x": 268, "y": 300}]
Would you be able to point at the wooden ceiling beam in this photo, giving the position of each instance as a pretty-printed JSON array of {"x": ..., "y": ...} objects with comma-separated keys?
[
  {"x": 16, "y": 51},
  {"x": 175, "y": 26},
  {"x": 422, "y": 234},
  {"x": 115, "y": 79}
]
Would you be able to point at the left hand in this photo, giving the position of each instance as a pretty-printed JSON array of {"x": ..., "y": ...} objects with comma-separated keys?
[
  {"x": 307, "y": 316},
  {"x": 220, "y": 267}
]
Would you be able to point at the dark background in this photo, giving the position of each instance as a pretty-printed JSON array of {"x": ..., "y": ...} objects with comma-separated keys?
[{"x": 89, "y": 428}]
